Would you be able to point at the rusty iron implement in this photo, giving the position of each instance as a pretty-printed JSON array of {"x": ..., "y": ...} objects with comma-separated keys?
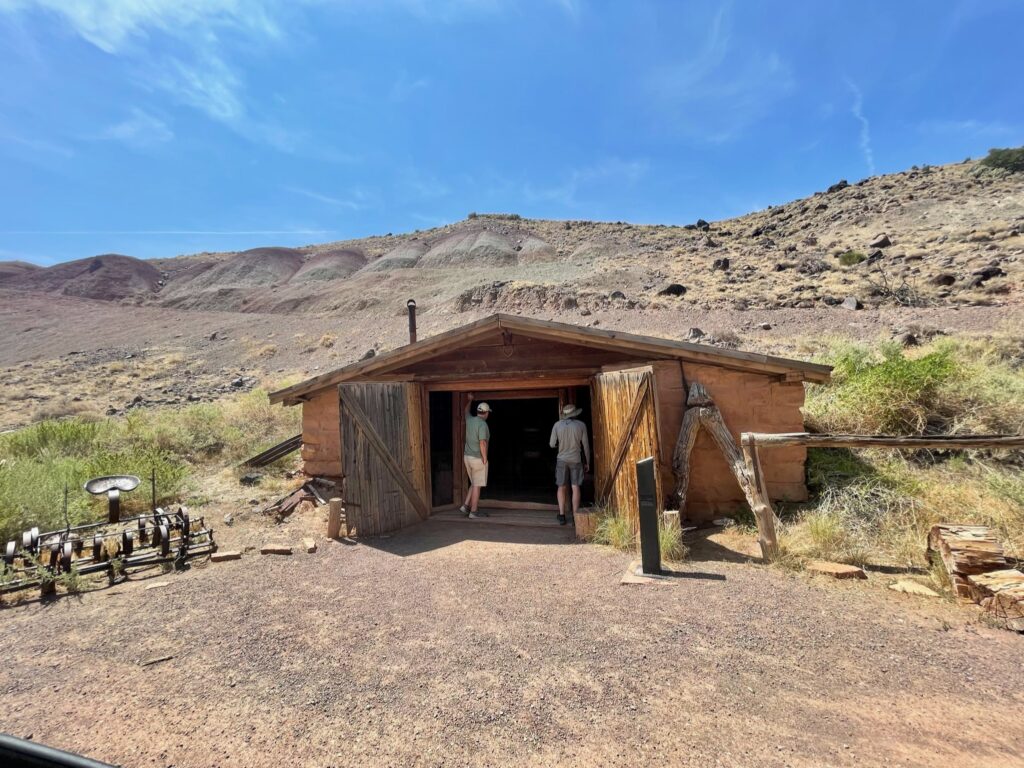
[
  {"x": 39, "y": 559},
  {"x": 113, "y": 486}
]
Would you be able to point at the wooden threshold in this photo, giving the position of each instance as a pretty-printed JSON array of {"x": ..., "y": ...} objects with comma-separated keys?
[{"x": 520, "y": 518}]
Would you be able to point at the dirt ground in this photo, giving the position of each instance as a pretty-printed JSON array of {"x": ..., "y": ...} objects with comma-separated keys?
[{"x": 463, "y": 644}]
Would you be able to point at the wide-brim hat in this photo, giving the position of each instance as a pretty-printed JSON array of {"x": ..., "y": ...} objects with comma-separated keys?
[{"x": 570, "y": 410}]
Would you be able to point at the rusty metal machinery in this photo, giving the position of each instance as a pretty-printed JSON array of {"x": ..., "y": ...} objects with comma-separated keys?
[{"x": 37, "y": 559}]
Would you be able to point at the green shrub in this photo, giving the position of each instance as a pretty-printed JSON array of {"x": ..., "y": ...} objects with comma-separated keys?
[
  {"x": 39, "y": 461},
  {"x": 1008, "y": 159},
  {"x": 892, "y": 395},
  {"x": 851, "y": 258}
]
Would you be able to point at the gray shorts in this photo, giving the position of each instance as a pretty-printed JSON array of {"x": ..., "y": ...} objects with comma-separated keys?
[{"x": 568, "y": 474}]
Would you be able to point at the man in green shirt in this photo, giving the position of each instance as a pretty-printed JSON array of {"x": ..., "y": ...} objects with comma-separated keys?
[{"x": 474, "y": 456}]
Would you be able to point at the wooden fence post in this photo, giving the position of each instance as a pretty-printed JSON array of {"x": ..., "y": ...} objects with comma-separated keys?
[
  {"x": 764, "y": 514},
  {"x": 334, "y": 519}
]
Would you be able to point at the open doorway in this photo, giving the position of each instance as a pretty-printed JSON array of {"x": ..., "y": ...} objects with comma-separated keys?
[{"x": 521, "y": 463}]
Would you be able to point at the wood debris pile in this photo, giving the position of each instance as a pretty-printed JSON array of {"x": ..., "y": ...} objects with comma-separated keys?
[
  {"x": 315, "y": 491},
  {"x": 979, "y": 571}
]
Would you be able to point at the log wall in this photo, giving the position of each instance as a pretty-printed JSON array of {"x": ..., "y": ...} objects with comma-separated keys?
[
  {"x": 745, "y": 398},
  {"x": 321, "y": 435}
]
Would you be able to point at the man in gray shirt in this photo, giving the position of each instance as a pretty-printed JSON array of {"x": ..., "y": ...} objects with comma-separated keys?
[{"x": 569, "y": 435}]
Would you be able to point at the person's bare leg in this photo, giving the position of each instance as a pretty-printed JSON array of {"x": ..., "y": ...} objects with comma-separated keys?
[
  {"x": 575, "y": 499},
  {"x": 561, "y": 499},
  {"x": 475, "y": 498},
  {"x": 469, "y": 497}
]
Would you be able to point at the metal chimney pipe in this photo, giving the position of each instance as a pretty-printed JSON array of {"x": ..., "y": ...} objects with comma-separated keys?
[{"x": 411, "y": 304}]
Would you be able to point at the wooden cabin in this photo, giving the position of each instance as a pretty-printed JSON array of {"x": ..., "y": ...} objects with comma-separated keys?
[{"x": 393, "y": 426}]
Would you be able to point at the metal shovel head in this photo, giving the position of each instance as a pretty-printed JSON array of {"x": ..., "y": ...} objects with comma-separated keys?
[{"x": 100, "y": 485}]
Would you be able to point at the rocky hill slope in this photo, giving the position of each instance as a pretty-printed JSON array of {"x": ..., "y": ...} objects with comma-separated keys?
[{"x": 949, "y": 235}]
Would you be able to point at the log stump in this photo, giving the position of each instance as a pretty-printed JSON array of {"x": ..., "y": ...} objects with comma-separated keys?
[{"x": 965, "y": 550}]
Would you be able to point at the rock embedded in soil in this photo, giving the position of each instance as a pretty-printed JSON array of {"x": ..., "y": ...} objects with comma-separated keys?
[
  {"x": 881, "y": 241},
  {"x": 913, "y": 588},
  {"x": 250, "y": 479},
  {"x": 836, "y": 570},
  {"x": 225, "y": 555},
  {"x": 852, "y": 302},
  {"x": 673, "y": 289},
  {"x": 275, "y": 549}
]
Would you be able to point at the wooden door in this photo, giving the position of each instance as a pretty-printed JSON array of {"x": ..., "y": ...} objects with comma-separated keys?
[
  {"x": 625, "y": 431},
  {"x": 382, "y": 456}
]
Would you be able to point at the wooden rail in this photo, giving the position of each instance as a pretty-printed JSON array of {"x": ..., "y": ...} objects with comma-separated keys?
[
  {"x": 762, "y": 506},
  {"x": 937, "y": 442}
]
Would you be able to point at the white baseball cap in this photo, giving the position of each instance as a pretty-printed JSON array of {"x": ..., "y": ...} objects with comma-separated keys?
[{"x": 483, "y": 408}]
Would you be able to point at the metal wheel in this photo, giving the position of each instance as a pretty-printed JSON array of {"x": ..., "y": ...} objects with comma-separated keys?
[
  {"x": 165, "y": 541},
  {"x": 65, "y": 558},
  {"x": 127, "y": 543},
  {"x": 98, "y": 553},
  {"x": 12, "y": 547}
]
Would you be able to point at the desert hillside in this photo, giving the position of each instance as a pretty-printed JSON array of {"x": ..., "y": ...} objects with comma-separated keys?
[
  {"x": 927, "y": 251},
  {"x": 946, "y": 235}
]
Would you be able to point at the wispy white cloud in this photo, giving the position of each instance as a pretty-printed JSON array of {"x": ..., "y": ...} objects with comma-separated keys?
[
  {"x": 357, "y": 200},
  {"x": 40, "y": 146},
  {"x": 114, "y": 25},
  {"x": 717, "y": 93},
  {"x": 865, "y": 127},
  {"x": 420, "y": 184},
  {"x": 981, "y": 128},
  {"x": 194, "y": 71},
  {"x": 579, "y": 180},
  {"x": 405, "y": 86},
  {"x": 140, "y": 131}
]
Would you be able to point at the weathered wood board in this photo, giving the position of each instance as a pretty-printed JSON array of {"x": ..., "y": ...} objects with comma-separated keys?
[
  {"x": 625, "y": 431},
  {"x": 385, "y": 479}
]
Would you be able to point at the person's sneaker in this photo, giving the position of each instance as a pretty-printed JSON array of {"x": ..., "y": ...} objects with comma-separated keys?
[
  {"x": 561, "y": 519},
  {"x": 572, "y": 520},
  {"x": 474, "y": 516},
  {"x": 464, "y": 510}
]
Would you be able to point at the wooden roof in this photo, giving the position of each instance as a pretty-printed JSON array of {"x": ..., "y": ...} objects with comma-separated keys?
[{"x": 640, "y": 347}]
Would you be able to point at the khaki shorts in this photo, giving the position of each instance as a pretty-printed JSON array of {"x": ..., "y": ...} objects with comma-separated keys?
[{"x": 476, "y": 470}]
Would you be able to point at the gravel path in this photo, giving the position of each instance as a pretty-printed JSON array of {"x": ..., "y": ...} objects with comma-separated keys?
[{"x": 450, "y": 644}]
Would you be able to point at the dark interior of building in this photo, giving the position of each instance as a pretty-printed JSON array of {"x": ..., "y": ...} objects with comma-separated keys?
[{"x": 522, "y": 464}]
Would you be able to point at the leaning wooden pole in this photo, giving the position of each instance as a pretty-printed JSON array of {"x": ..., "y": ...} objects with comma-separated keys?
[
  {"x": 701, "y": 412},
  {"x": 764, "y": 514}
]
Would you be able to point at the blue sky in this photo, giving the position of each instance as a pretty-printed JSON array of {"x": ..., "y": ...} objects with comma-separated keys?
[{"x": 160, "y": 127}]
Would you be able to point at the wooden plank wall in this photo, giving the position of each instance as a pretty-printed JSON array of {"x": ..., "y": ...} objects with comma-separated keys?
[
  {"x": 613, "y": 394},
  {"x": 374, "y": 501}
]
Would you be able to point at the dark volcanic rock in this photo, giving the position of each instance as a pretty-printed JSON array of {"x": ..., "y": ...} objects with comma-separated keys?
[
  {"x": 881, "y": 241},
  {"x": 673, "y": 289}
]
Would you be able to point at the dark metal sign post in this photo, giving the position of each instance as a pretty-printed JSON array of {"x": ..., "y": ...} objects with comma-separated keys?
[{"x": 650, "y": 546}]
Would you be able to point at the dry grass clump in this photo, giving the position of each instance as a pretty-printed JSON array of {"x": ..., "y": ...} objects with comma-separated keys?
[
  {"x": 616, "y": 531},
  {"x": 327, "y": 341}
]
